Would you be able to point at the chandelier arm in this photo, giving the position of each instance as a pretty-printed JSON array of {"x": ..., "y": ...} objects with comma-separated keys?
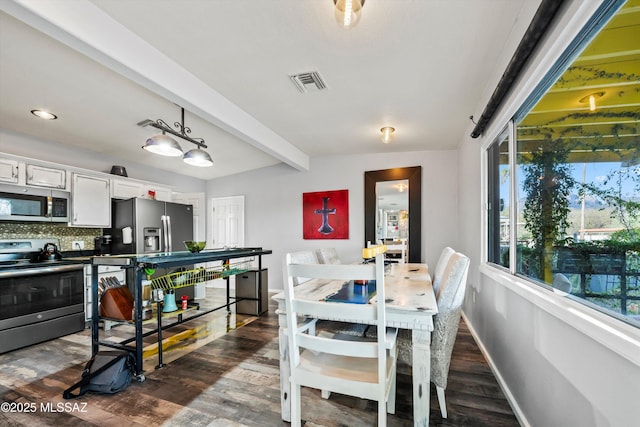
[
  {"x": 180, "y": 133},
  {"x": 161, "y": 125}
]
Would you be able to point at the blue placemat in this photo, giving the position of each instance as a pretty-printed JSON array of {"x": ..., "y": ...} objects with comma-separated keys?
[{"x": 353, "y": 293}]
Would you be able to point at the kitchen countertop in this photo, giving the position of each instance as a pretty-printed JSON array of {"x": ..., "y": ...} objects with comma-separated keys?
[{"x": 169, "y": 259}]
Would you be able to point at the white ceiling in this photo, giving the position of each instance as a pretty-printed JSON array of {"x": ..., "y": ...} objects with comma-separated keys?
[{"x": 421, "y": 66}]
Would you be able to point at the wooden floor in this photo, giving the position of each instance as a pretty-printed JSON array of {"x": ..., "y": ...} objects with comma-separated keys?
[{"x": 231, "y": 379}]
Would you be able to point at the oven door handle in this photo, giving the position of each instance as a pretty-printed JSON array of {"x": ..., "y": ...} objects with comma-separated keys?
[{"x": 25, "y": 272}]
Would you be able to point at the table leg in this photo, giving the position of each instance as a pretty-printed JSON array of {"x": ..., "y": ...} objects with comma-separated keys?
[
  {"x": 421, "y": 349},
  {"x": 137, "y": 297},
  {"x": 159, "y": 317},
  {"x": 285, "y": 384}
]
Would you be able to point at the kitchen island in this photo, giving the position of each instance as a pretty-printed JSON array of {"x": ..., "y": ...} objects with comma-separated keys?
[{"x": 141, "y": 262}]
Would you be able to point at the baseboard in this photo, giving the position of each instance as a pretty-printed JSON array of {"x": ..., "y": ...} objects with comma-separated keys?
[{"x": 505, "y": 389}]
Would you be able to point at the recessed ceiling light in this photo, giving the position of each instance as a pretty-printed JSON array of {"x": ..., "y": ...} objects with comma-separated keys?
[
  {"x": 44, "y": 114},
  {"x": 387, "y": 133},
  {"x": 591, "y": 99}
]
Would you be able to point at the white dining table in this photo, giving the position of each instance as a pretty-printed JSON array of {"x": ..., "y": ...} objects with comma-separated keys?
[{"x": 411, "y": 304}]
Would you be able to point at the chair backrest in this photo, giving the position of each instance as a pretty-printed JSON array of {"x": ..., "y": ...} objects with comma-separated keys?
[
  {"x": 300, "y": 302},
  {"x": 302, "y": 257},
  {"x": 328, "y": 256},
  {"x": 561, "y": 283},
  {"x": 440, "y": 266},
  {"x": 451, "y": 295}
]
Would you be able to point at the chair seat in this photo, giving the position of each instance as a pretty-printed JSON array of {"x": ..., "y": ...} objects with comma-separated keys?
[{"x": 331, "y": 326}]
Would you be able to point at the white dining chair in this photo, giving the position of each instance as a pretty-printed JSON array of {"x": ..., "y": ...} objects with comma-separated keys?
[
  {"x": 328, "y": 256},
  {"x": 322, "y": 256},
  {"x": 445, "y": 325},
  {"x": 440, "y": 266},
  {"x": 347, "y": 365},
  {"x": 303, "y": 257}
]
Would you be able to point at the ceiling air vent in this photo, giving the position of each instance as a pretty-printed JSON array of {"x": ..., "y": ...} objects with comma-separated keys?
[{"x": 308, "y": 82}]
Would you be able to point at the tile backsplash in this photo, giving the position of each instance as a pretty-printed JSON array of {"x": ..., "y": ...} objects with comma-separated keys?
[{"x": 67, "y": 235}]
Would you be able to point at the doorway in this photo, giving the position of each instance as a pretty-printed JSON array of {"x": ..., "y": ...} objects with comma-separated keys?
[
  {"x": 227, "y": 222},
  {"x": 226, "y": 229}
]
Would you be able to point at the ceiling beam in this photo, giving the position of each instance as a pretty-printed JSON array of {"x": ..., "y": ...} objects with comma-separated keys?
[{"x": 84, "y": 27}]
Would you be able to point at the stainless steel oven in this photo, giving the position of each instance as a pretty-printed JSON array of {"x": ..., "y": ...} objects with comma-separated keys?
[{"x": 39, "y": 301}]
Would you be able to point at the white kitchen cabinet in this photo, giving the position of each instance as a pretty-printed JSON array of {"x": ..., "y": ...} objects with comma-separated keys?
[
  {"x": 9, "y": 171},
  {"x": 90, "y": 201},
  {"x": 121, "y": 189},
  {"x": 42, "y": 176},
  {"x": 126, "y": 189},
  {"x": 163, "y": 194}
]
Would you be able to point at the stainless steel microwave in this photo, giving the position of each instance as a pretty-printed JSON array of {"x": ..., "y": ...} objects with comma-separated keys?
[{"x": 18, "y": 203}]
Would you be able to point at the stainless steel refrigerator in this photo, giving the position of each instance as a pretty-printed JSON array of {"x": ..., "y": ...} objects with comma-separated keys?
[{"x": 140, "y": 226}]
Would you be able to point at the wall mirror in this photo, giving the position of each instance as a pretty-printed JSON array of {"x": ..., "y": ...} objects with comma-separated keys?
[{"x": 379, "y": 183}]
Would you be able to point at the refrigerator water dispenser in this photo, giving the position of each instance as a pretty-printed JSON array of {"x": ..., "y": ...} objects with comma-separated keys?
[{"x": 151, "y": 236}]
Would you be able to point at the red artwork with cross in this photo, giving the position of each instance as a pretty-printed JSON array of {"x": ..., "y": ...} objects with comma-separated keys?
[{"x": 325, "y": 215}]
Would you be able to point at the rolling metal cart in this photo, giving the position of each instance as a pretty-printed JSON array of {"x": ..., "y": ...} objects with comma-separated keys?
[{"x": 171, "y": 281}]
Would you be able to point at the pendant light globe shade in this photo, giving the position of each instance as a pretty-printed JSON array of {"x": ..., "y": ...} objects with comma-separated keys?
[
  {"x": 197, "y": 157},
  {"x": 163, "y": 145},
  {"x": 348, "y": 12}
]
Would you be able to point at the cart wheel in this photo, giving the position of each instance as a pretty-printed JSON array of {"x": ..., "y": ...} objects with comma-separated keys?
[{"x": 140, "y": 378}]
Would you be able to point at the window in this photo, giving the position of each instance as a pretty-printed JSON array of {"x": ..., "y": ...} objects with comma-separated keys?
[
  {"x": 577, "y": 174},
  {"x": 498, "y": 203}
]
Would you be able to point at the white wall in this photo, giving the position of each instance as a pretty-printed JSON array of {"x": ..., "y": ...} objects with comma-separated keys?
[
  {"x": 273, "y": 203},
  {"x": 560, "y": 363},
  {"x": 34, "y": 148}
]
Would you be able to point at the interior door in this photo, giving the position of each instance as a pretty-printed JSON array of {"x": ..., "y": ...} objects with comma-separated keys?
[
  {"x": 227, "y": 222},
  {"x": 227, "y": 228}
]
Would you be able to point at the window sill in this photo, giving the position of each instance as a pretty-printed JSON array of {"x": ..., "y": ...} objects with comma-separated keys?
[{"x": 616, "y": 335}]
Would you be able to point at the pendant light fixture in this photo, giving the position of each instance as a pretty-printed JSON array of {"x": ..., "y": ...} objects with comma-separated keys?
[
  {"x": 163, "y": 145},
  {"x": 348, "y": 12},
  {"x": 166, "y": 146},
  {"x": 197, "y": 157}
]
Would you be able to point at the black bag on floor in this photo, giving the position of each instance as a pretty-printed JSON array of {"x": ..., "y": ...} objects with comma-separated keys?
[{"x": 107, "y": 372}]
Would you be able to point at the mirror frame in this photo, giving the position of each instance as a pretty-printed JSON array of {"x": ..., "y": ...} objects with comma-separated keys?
[{"x": 414, "y": 175}]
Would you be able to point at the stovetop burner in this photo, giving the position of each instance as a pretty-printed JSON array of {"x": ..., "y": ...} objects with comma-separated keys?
[{"x": 24, "y": 253}]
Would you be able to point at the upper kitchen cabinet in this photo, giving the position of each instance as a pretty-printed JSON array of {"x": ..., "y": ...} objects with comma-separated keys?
[
  {"x": 42, "y": 176},
  {"x": 90, "y": 201},
  {"x": 9, "y": 171},
  {"x": 126, "y": 189}
]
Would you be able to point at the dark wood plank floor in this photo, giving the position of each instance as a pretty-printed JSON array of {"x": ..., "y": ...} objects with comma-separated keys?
[{"x": 230, "y": 381}]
